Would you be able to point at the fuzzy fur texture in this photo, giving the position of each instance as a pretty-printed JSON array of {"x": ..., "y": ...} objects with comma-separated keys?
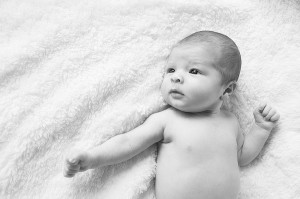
[{"x": 76, "y": 73}]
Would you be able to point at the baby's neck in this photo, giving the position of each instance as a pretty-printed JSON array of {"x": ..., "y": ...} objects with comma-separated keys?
[
  {"x": 208, "y": 113},
  {"x": 215, "y": 110}
]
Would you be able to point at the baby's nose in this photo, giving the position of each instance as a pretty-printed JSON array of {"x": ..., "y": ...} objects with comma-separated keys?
[{"x": 177, "y": 78}]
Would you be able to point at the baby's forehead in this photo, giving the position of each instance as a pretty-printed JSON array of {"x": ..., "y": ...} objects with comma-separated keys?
[{"x": 189, "y": 52}]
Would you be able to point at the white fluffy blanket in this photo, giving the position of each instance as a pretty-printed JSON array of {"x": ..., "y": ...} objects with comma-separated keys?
[{"x": 76, "y": 73}]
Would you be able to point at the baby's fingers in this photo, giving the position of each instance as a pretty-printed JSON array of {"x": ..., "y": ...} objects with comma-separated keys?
[
  {"x": 261, "y": 107},
  {"x": 70, "y": 170},
  {"x": 275, "y": 117},
  {"x": 72, "y": 166},
  {"x": 69, "y": 175},
  {"x": 265, "y": 111},
  {"x": 271, "y": 113}
]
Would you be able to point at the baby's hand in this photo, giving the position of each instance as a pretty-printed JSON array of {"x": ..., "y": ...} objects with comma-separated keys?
[
  {"x": 265, "y": 116},
  {"x": 76, "y": 161}
]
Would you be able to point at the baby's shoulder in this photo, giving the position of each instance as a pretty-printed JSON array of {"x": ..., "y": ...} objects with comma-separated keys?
[
  {"x": 162, "y": 116},
  {"x": 168, "y": 112},
  {"x": 166, "y": 115}
]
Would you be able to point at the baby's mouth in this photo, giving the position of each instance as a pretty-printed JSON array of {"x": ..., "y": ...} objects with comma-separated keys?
[{"x": 175, "y": 92}]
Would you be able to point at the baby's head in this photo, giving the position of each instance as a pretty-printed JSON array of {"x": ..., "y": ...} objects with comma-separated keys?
[{"x": 200, "y": 70}]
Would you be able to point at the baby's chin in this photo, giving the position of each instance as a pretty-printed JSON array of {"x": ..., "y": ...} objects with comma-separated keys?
[
  {"x": 193, "y": 111},
  {"x": 183, "y": 108},
  {"x": 182, "y": 104},
  {"x": 179, "y": 105},
  {"x": 187, "y": 109}
]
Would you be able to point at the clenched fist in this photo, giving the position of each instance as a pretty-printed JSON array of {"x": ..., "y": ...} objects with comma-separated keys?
[
  {"x": 266, "y": 116},
  {"x": 76, "y": 161}
]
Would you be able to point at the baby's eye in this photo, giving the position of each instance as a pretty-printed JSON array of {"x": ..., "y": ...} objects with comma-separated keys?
[
  {"x": 170, "y": 70},
  {"x": 195, "y": 71}
]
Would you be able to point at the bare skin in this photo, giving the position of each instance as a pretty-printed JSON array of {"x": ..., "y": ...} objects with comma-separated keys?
[
  {"x": 198, "y": 157},
  {"x": 200, "y": 145}
]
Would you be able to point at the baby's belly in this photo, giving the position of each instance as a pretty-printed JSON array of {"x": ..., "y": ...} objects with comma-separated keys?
[{"x": 179, "y": 176}]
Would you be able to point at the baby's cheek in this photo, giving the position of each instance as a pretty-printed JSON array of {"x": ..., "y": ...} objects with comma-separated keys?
[{"x": 201, "y": 95}]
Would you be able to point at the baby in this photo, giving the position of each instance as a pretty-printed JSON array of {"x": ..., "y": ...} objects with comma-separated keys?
[{"x": 200, "y": 145}]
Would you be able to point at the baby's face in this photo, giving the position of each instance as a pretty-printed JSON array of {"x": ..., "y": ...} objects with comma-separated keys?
[{"x": 191, "y": 83}]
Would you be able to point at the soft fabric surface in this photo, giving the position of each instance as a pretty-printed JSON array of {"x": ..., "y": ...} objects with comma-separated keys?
[{"x": 76, "y": 73}]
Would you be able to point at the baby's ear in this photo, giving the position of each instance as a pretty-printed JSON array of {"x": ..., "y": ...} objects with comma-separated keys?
[{"x": 230, "y": 88}]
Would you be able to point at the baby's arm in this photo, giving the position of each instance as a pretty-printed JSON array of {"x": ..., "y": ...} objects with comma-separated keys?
[
  {"x": 119, "y": 148},
  {"x": 250, "y": 146}
]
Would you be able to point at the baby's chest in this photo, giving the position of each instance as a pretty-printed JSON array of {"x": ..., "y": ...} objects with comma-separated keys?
[{"x": 201, "y": 136}]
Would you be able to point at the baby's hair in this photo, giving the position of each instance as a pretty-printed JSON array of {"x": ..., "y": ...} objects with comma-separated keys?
[{"x": 230, "y": 63}]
